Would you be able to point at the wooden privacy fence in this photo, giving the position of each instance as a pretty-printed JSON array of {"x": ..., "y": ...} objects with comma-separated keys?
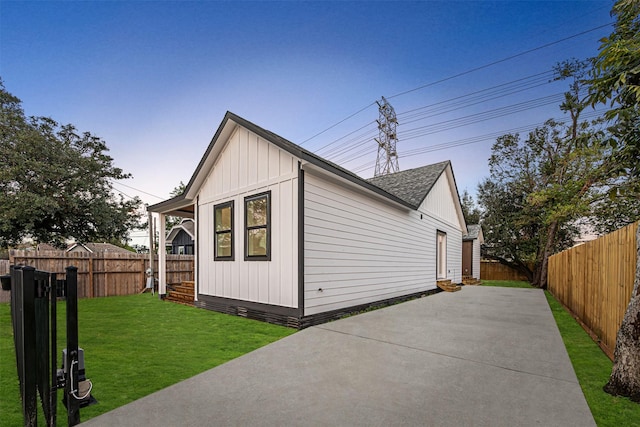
[
  {"x": 493, "y": 270},
  {"x": 594, "y": 281},
  {"x": 101, "y": 274}
]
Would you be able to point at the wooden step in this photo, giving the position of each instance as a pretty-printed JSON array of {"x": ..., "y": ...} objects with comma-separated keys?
[
  {"x": 182, "y": 293},
  {"x": 470, "y": 280},
  {"x": 183, "y": 290},
  {"x": 447, "y": 286}
]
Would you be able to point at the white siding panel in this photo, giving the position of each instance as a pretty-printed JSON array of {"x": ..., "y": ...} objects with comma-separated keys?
[
  {"x": 359, "y": 250},
  {"x": 233, "y": 152},
  {"x": 274, "y": 161},
  {"x": 252, "y": 158},
  {"x": 263, "y": 160},
  {"x": 243, "y": 160},
  {"x": 440, "y": 201},
  {"x": 249, "y": 165}
]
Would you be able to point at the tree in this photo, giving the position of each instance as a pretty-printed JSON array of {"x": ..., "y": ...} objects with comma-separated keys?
[
  {"x": 56, "y": 183},
  {"x": 470, "y": 211},
  {"x": 540, "y": 186},
  {"x": 616, "y": 80},
  {"x": 172, "y": 221}
]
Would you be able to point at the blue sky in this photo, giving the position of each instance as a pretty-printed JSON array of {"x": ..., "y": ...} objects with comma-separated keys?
[{"x": 154, "y": 78}]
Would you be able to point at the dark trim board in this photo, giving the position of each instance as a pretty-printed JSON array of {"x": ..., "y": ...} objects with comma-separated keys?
[
  {"x": 289, "y": 317},
  {"x": 300, "y": 241},
  {"x": 252, "y": 310}
]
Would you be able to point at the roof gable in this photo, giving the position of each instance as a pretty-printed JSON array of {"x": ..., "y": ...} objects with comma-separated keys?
[
  {"x": 186, "y": 225},
  {"x": 407, "y": 188},
  {"x": 411, "y": 185},
  {"x": 177, "y": 204},
  {"x": 96, "y": 247}
]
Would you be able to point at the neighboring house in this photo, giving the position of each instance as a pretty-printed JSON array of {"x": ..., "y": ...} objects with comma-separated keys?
[
  {"x": 286, "y": 236},
  {"x": 181, "y": 238},
  {"x": 46, "y": 247},
  {"x": 97, "y": 248},
  {"x": 471, "y": 243}
]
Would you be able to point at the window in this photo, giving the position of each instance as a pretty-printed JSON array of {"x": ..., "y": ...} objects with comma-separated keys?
[
  {"x": 257, "y": 227},
  {"x": 441, "y": 255},
  {"x": 180, "y": 250},
  {"x": 223, "y": 226}
]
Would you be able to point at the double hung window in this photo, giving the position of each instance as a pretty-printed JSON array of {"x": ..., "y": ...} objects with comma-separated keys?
[
  {"x": 223, "y": 225},
  {"x": 257, "y": 231}
]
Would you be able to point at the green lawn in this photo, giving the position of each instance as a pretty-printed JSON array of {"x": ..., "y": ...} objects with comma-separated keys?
[
  {"x": 135, "y": 345},
  {"x": 507, "y": 283},
  {"x": 593, "y": 368}
]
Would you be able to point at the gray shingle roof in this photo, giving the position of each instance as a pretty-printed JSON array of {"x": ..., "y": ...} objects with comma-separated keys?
[
  {"x": 186, "y": 224},
  {"x": 473, "y": 232},
  {"x": 98, "y": 247},
  {"x": 411, "y": 185}
]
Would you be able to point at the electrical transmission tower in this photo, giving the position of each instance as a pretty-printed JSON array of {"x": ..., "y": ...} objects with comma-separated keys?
[{"x": 387, "y": 161}]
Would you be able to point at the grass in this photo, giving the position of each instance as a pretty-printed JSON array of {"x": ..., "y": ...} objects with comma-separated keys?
[
  {"x": 507, "y": 283},
  {"x": 593, "y": 368},
  {"x": 591, "y": 365},
  {"x": 135, "y": 345}
]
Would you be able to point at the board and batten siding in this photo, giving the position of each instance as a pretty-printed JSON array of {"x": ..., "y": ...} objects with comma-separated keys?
[
  {"x": 249, "y": 165},
  {"x": 359, "y": 249}
]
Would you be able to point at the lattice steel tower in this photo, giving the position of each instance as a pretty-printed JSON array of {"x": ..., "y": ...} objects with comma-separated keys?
[{"x": 387, "y": 161}]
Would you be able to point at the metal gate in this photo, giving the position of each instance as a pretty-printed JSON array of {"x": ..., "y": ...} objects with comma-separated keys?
[{"x": 34, "y": 295}]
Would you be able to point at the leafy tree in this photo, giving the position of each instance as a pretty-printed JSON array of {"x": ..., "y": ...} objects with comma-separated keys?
[
  {"x": 56, "y": 183},
  {"x": 616, "y": 80},
  {"x": 470, "y": 211},
  {"x": 172, "y": 221},
  {"x": 540, "y": 186},
  {"x": 169, "y": 220}
]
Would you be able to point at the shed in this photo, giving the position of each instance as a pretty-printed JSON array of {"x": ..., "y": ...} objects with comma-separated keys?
[
  {"x": 471, "y": 243},
  {"x": 181, "y": 238}
]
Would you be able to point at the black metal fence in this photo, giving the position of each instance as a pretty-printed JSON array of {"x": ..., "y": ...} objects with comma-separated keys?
[{"x": 34, "y": 295}]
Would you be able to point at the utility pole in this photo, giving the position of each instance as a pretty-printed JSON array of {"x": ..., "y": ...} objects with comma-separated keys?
[{"x": 387, "y": 160}]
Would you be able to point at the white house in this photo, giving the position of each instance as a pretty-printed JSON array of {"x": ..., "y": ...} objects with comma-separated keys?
[{"x": 286, "y": 236}]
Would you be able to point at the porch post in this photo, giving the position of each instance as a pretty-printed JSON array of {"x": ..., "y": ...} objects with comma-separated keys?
[
  {"x": 162, "y": 256},
  {"x": 152, "y": 252},
  {"x": 196, "y": 250}
]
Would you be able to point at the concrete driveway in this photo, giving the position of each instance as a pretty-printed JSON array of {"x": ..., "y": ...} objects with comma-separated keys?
[{"x": 479, "y": 357}]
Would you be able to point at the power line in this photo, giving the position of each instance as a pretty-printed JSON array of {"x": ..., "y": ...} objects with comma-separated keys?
[
  {"x": 473, "y": 70},
  {"x": 505, "y": 89},
  {"x": 343, "y": 137},
  {"x": 544, "y": 46},
  {"x": 138, "y": 190},
  {"x": 340, "y": 122},
  {"x": 472, "y": 140},
  {"x": 459, "y": 122}
]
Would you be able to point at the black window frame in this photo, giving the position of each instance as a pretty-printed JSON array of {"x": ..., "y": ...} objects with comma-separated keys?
[
  {"x": 216, "y": 257},
  {"x": 267, "y": 226}
]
